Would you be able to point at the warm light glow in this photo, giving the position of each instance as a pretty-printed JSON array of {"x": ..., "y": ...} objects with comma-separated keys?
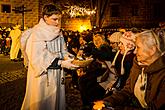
[
  {"x": 82, "y": 28},
  {"x": 78, "y": 24},
  {"x": 74, "y": 11}
]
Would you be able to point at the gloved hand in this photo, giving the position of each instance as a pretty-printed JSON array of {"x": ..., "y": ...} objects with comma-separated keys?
[
  {"x": 102, "y": 105},
  {"x": 68, "y": 64},
  {"x": 98, "y": 105}
]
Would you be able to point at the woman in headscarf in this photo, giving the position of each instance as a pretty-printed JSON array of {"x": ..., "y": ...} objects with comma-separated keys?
[{"x": 145, "y": 85}]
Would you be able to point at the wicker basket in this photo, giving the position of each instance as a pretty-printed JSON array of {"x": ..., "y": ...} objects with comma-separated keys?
[{"x": 82, "y": 63}]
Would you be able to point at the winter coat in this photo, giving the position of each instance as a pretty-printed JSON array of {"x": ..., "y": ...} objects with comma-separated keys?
[{"x": 155, "y": 90}]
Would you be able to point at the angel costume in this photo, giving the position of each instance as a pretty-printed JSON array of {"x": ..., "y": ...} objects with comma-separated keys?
[
  {"x": 45, "y": 89},
  {"x": 23, "y": 40},
  {"x": 15, "y": 45}
]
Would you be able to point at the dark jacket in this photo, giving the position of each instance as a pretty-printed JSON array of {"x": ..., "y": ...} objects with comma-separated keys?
[
  {"x": 104, "y": 52},
  {"x": 155, "y": 93}
]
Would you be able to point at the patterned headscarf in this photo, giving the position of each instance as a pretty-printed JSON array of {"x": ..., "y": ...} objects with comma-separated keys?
[{"x": 128, "y": 40}]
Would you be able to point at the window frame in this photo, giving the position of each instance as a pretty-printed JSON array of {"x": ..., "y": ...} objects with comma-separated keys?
[{"x": 9, "y": 10}]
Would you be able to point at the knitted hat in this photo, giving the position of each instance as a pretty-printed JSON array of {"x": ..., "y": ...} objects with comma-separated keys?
[
  {"x": 128, "y": 40},
  {"x": 115, "y": 37}
]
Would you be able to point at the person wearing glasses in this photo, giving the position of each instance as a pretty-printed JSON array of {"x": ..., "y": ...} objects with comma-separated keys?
[
  {"x": 146, "y": 84},
  {"x": 47, "y": 56}
]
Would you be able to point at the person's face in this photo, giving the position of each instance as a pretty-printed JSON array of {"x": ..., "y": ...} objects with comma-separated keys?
[
  {"x": 142, "y": 51},
  {"x": 98, "y": 41},
  {"x": 121, "y": 48},
  {"x": 114, "y": 46},
  {"x": 82, "y": 41},
  {"x": 54, "y": 20}
]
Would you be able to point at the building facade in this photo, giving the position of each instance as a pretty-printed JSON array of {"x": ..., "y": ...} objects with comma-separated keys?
[
  {"x": 10, "y": 17},
  {"x": 129, "y": 13},
  {"x": 109, "y": 13}
]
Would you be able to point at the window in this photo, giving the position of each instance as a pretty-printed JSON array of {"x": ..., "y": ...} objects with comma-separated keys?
[
  {"x": 5, "y": 8},
  {"x": 115, "y": 11},
  {"x": 134, "y": 10}
]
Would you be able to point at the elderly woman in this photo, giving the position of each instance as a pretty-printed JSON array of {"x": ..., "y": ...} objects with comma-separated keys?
[{"x": 146, "y": 81}]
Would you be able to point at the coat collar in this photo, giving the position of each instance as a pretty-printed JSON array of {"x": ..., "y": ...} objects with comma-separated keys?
[{"x": 155, "y": 66}]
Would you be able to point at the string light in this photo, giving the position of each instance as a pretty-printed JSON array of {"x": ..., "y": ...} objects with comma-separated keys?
[{"x": 75, "y": 11}]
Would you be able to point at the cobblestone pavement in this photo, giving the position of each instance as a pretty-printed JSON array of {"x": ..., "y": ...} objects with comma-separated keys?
[{"x": 13, "y": 83}]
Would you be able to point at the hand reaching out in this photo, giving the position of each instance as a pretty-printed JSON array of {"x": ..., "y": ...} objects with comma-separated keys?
[{"x": 68, "y": 64}]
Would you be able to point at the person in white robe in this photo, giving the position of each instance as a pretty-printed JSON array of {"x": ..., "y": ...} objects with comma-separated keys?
[
  {"x": 15, "y": 45},
  {"x": 23, "y": 40},
  {"x": 47, "y": 55}
]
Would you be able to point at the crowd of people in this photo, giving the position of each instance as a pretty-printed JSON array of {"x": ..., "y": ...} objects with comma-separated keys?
[
  {"x": 5, "y": 40},
  {"x": 127, "y": 70},
  {"x": 10, "y": 42}
]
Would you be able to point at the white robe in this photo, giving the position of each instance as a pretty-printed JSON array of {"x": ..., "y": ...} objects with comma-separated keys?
[
  {"x": 15, "y": 46},
  {"x": 42, "y": 93},
  {"x": 23, "y": 40}
]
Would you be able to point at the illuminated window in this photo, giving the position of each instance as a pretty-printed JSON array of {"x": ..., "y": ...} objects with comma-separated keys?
[{"x": 5, "y": 8}]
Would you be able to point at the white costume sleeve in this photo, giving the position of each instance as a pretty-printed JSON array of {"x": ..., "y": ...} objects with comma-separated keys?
[{"x": 39, "y": 56}]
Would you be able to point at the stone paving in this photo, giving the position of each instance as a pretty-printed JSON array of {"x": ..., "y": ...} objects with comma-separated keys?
[
  {"x": 11, "y": 76},
  {"x": 13, "y": 84}
]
